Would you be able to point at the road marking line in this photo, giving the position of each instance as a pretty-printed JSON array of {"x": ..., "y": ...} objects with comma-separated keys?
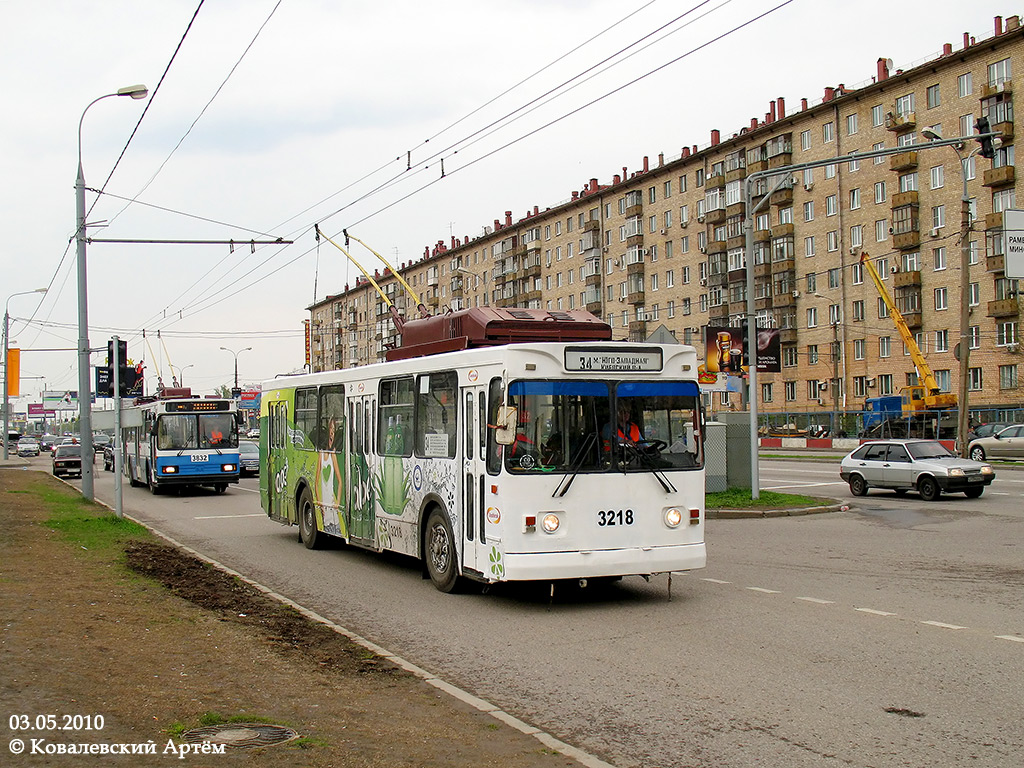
[
  {"x": 941, "y": 625},
  {"x": 873, "y": 612},
  {"x": 716, "y": 581},
  {"x": 247, "y": 490},
  {"x": 1014, "y": 638},
  {"x": 799, "y": 485},
  {"x": 816, "y": 600},
  {"x": 766, "y": 591},
  {"x": 224, "y": 517}
]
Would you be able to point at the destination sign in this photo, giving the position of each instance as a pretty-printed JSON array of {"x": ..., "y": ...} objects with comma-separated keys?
[
  {"x": 1013, "y": 245},
  {"x": 192, "y": 406},
  {"x": 639, "y": 361}
]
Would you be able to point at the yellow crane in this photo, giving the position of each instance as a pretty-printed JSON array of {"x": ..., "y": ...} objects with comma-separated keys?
[{"x": 925, "y": 395}]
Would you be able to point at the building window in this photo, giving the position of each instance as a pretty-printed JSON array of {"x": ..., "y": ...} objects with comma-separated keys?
[
  {"x": 975, "y": 379},
  {"x": 908, "y": 182},
  {"x": 879, "y": 191},
  {"x": 905, "y": 105},
  {"x": 942, "y": 341},
  {"x": 812, "y": 356},
  {"x": 999, "y": 72},
  {"x": 939, "y": 255},
  {"x": 857, "y": 273},
  {"x": 860, "y": 386},
  {"x": 851, "y": 124},
  {"x": 833, "y": 277},
  {"x": 805, "y": 140},
  {"x": 855, "y": 199},
  {"x": 827, "y": 133},
  {"x": 884, "y": 346},
  {"x": 831, "y": 205},
  {"x": 832, "y": 240},
  {"x": 964, "y": 85},
  {"x": 809, "y": 246},
  {"x": 859, "y": 349},
  {"x": 790, "y": 358},
  {"x": 938, "y": 174},
  {"x": 933, "y": 96},
  {"x": 766, "y": 393},
  {"x": 941, "y": 300},
  {"x": 877, "y": 115},
  {"x": 790, "y": 391},
  {"x": 881, "y": 230},
  {"x": 856, "y": 236},
  {"x": 668, "y": 189},
  {"x": 1006, "y": 333},
  {"x": 812, "y": 317},
  {"x": 858, "y": 309},
  {"x": 1007, "y": 376},
  {"x": 938, "y": 216},
  {"x": 809, "y": 210},
  {"x": 974, "y": 337}
]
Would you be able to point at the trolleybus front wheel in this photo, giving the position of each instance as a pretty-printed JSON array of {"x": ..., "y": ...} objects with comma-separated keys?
[
  {"x": 439, "y": 552},
  {"x": 308, "y": 534}
]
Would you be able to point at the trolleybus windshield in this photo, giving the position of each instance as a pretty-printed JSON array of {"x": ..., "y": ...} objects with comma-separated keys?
[{"x": 598, "y": 426}]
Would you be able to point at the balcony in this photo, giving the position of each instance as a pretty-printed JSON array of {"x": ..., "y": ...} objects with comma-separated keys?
[
  {"x": 782, "y": 230},
  {"x": 907, "y": 279},
  {"x": 762, "y": 235},
  {"x": 716, "y": 216},
  {"x": 736, "y": 174},
  {"x": 637, "y": 240},
  {"x": 634, "y": 210},
  {"x": 594, "y": 307},
  {"x": 783, "y": 196},
  {"x": 715, "y": 182},
  {"x": 591, "y": 225},
  {"x": 783, "y": 300},
  {"x": 718, "y": 279},
  {"x": 783, "y": 265},
  {"x": 1003, "y": 308},
  {"x": 1006, "y": 129},
  {"x": 760, "y": 165},
  {"x": 787, "y": 335},
  {"x": 901, "y": 123},
  {"x": 902, "y": 199},
  {"x": 906, "y": 240},
  {"x": 988, "y": 90},
  {"x": 994, "y": 221},
  {"x": 781, "y": 159},
  {"x": 904, "y": 161},
  {"x": 637, "y": 328},
  {"x": 636, "y": 268},
  {"x": 763, "y": 303},
  {"x": 635, "y": 297},
  {"x": 912, "y": 319},
  {"x": 737, "y": 275},
  {"x": 594, "y": 279},
  {"x": 995, "y": 263},
  {"x": 999, "y": 177},
  {"x": 717, "y": 246},
  {"x": 762, "y": 270}
]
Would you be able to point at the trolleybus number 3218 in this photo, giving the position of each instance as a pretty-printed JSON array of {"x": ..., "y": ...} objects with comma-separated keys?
[{"x": 615, "y": 517}]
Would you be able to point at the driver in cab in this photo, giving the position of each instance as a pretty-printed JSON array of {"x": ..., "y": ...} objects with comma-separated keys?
[{"x": 625, "y": 431}]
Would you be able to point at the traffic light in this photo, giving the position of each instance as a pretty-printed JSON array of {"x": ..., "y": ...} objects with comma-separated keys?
[
  {"x": 982, "y": 127},
  {"x": 122, "y": 353}
]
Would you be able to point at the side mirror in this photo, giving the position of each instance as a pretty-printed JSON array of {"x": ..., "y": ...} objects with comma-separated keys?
[{"x": 505, "y": 429}]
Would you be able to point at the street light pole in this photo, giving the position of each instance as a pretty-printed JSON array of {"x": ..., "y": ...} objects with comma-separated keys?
[
  {"x": 963, "y": 411},
  {"x": 7, "y": 324},
  {"x": 84, "y": 389},
  {"x": 236, "y": 354}
]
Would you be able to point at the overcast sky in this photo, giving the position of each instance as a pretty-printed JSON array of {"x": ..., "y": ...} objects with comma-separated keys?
[{"x": 266, "y": 117}]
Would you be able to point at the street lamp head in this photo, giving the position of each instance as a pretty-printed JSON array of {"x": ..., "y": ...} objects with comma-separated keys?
[
  {"x": 930, "y": 134},
  {"x": 135, "y": 91}
]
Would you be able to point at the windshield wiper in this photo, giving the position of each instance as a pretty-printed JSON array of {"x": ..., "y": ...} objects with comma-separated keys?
[
  {"x": 662, "y": 478},
  {"x": 574, "y": 467}
]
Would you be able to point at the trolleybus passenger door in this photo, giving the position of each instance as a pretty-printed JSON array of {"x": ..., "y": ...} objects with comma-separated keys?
[
  {"x": 474, "y": 476},
  {"x": 360, "y": 509},
  {"x": 277, "y": 463}
]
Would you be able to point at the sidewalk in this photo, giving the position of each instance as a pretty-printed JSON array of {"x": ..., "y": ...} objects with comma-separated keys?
[{"x": 84, "y": 635}]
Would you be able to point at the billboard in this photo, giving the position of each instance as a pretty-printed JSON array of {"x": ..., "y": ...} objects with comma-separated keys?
[{"x": 726, "y": 347}]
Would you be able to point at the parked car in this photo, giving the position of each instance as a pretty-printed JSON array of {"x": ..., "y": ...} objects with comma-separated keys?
[
  {"x": 28, "y": 446},
  {"x": 67, "y": 460},
  {"x": 249, "y": 461},
  {"x": 1007, "y": 443},
  {"x": 253, "y": 433},
  {"x": 925, "y": 466},
  {"x": 986, "y": 430}
]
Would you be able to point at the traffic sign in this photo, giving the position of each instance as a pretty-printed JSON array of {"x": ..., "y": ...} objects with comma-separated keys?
[{"x": 1013, "y": 243}]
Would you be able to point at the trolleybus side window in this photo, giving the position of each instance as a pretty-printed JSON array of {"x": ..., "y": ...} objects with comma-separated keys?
[
  {"x": 332, "y": 415},
  {"x": 305, "y": 418},
  {"x": 436, "y": 408},
  {"x": 495, "y": 395},
  {"x": 394, "y": 437}
]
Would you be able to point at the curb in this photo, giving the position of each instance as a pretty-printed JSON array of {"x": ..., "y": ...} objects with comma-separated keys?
[{"x": 738, "y": 514}]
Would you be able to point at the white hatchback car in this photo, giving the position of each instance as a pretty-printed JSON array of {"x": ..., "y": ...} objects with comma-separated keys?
[{"x": 925, "y": 466}]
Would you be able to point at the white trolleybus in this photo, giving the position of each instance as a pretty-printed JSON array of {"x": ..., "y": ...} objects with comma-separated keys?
[
  {"x": 560, "y": 456},
  {"x": 175, "y": 440}
]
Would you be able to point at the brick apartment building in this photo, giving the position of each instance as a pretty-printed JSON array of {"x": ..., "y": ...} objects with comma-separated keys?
[{"x": 664, "y": 244}]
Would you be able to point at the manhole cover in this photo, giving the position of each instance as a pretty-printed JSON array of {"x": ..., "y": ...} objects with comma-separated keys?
[{"x": 241, "y": 735}]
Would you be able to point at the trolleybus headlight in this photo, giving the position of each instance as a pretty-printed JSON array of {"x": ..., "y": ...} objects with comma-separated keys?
[
  {"x": 550, "y": 523},
  {"x": 228, "y": 467},
  {"x": 170, "y": 470},
  {"x": 673, "y": 517}
]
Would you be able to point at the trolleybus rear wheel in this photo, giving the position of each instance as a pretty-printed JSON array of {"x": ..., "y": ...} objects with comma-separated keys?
[
  {"x": 439, "y": 551},
  {"x": 308, "y": 534}
]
